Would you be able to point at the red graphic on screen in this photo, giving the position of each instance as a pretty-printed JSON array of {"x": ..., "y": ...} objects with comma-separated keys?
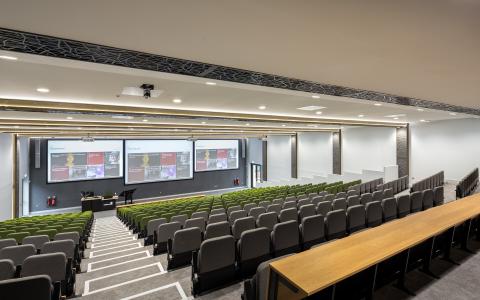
[
  {"x": 168, "y": 158},
  {"x": 136, "y": 174},
  {"x": 95, "y": 158},
  {"x": 60, "y": 173},
  {"x": 222, "y": 153}
]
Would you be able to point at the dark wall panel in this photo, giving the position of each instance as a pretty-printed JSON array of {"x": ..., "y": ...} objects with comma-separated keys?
[{"x": 68, "y": 194}]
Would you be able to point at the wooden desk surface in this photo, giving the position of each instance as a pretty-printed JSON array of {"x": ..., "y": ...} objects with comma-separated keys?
[{"x": 316, "y": 269}]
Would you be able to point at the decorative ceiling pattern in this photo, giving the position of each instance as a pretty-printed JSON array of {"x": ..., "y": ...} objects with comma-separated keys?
[{"x": 31, "y": 43}]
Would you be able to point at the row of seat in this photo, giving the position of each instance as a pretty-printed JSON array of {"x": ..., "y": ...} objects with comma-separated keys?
[
  {"x": 468, "y": 184},
  {"x": 368, "y": 187},
  {"x": 431, "y": 182},
  {"x": 222, "y": 259},
  {"x": 397, "y": 185}
]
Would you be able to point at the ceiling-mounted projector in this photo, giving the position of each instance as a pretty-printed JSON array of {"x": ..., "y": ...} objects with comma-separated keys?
[
  {"x": 146, "y": 91},
  {"x": 88, "y": 139},
  {"x": 192, "y": 139}
]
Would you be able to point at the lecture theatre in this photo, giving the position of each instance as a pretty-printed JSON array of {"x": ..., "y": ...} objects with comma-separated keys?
[{"x": 239, "y": 150}]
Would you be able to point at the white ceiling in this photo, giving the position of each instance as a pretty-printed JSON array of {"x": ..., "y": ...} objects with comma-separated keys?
[{"x": 426, "y": 49}]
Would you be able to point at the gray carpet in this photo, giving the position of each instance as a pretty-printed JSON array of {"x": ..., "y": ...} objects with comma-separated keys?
[{"x": 118, "y": 266}]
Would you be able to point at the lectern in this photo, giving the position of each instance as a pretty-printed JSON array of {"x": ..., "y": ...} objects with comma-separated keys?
[{"x": 128, "y": 195}]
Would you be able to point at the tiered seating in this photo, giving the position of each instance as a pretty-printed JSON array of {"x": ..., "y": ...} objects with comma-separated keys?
[
  {"x": 429, "y": 182},
  {"x": 44, "y": 245},
  {"x": 468, "y": 184},
  {"x": 397, "y": 185}
]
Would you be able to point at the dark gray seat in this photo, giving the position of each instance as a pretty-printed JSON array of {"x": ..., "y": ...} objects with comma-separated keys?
[
  {"x": 289, "y": 214},
  {"x": 438, "y": 196},
  {"x": 233, "y": 208},
  {"x": 340, "y": 203},
  {"x": 428, "y": 198},
  {"x": 377, "y": 196},
  {"x": 389, "y": 209},
  {"x": 353, "y": 200},
  {"x": 36, "y": 240},
  {"x": 341, "y": 195},
  {"x": 214, "y": 266},
  {"x": 276, "y": 208},
  {"x": 195, "y": 222},
  {"x": 374, "y": 214},
  {"x": 7, "y": 269},
  {"x": 355, "y": 218},
  {"x": 267, "y": 220},
  {"x": 216, "y": 211},
  {"x": 67, "y": 247},
  {"x": 323, "y": 193},
  {"x": 316, "y": 200},
  {"x": 180, "y": 249},
  {"x": 214, "y": 218},
  {"x": 306, "y": 211},
  {"x": 75, "y": 237},
  {"x": 18, "y": 253},
  {"x": 253, "y": 248},
  {"x": 256, "y": 211},
  {"x": 324, "y": 207},
  {"x": 33, "y": 287},
  {"x": 165, "y": 232},
  {"x": 366, "y": 198},
  {"x": 285, "y": 238},
  {"x": 217, "y": 229},
  {"x": 180, "y": 219},
  {"x": 289, "y": 204},
  {"x": 51, "y": 264},
  {"x": 278, "y": 201},
  {"x": 387, "y": 193},
  {"x": 248, "y": 207},
  {"x": 416, "y": 202},
  {"x": 7, "y": 243},
  {"x": 264, "y": 204},
  {"x": 152, "y": 225},
  {"x": 236, "y": 215},
  {"x": 312, "y": 231},
  {"x": 242, "y": 225},
  {"x": 303, "y": 202},
  {"x": 200, "y": 214},
  {"x": 328, "y": 197},
  {"x": 301, "y": 197},
  {"x": 335, "y": 224},
  {"x": 312, "y": 195},
  {"x": 291, "y": 199},
  {"x": 352, "y": 193},
  {"x": 403, "y": 205}
]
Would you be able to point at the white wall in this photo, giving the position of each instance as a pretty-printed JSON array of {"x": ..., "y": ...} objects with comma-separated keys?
[
  {"x": 314, "y": 153},
  {"x": 279, "y": 156},
  {"x": 369, "y": 148},
  {"x": 452, "y": 146},
  {"x": 254, "y": 154},
  {"x": 23, "y": 146},
  {"x": 6, "y": 176}
]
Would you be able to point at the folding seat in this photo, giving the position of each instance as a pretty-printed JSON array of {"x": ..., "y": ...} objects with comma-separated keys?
[
  {"x": 278, "y": 201},
  {"x": 165, "y": 233},
  {"x": 267, "y": 220},
  {"x": 233, "y": 208},
  {"x": 152, "y": 225},
  {"x": 51, "y": 264},
  {"x": 329, "y": 197},
  {"x": 180, "y": 219},
  {"x": 352, "y": 193},
  {"x": 355, "y": 218},
  {"x": 416, "y": 202},
  {"x": 366, "y": 198},
  {"x": 18, "y": 236},
  {"x": 7, "y": 243},
  {"x": 316, "y": 200},
  {"x": 36, "y": 240},
  {"x": 7, "y": 269},
  {"x": 302, "y": 202},
  {"x": 217, "y": 218},
  {"x": 306, "y": 211},
  {"x": 289, "y": 214},
  {"x": 200, "y": 214},
  {"x": 285, "y": 238},
  {"x": 428, "y": 197},
  {"x": 18, "y": 254},
  {"x": 247, "y": 207},
  {"x": 374, "y": 214},
  {"x": 66, "y": 247},
  {"x": 389, "y": 209},
  {"x": 217, "y": 229},
  {"x": 214, "y": 265},
  {"x": 216, "y": 211},
  {"x": 353, "y": 200},
  {"x": 241, "y": 225},
  {"x": 312, "y": 231},
  {"x": 236, "y": 215},
  {"x": 290, "y": 198},
  {"x": 379, "y": 188},
  {"x": 32, "y": 287},
  {"x": 264, "y": 204},
  {"x": 395, "y": 187},
  {"x": 195, "y": 222},
  {"x": 323, "y": 208},
  {"x": 438, "y": 196},
  {"x": 340, "y": 195},
  {"x": 289, "y": 204},
  {"x": 339, "y": 204},
  {"x": 255, "y": 212},
  {"x": 387, "y": 193},
  {"x": 377, "y": 196},
  {"x": 276, "y": 208},
  {"x": 253, "y": 248},
  {"x": 301, "y": 197},
  {"x": 311, "y": 195},
  {"x": 180, "y": 248},
  {"x": 363, "y": 188},
  {"x": 335, "y": 224},
  {"x": 323, "y": 193},
  {"x": 403, "y": 205}
]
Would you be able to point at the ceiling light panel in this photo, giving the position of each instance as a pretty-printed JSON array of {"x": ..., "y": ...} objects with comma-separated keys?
[{"x": 311, "y": 107}]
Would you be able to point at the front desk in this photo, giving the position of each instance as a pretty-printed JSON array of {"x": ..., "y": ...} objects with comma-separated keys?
[{"x": 98, "y": 203}]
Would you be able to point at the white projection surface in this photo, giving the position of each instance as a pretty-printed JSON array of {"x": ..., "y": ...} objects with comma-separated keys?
[
  {"x": 212, "y": 155},
  {"x": 75, "y": 160},
  {"x": 158, "y": 160}
]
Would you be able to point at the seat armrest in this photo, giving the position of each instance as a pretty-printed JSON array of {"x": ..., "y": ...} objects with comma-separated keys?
[
  {"x": 169, "y": 246},
  {"x": 194, "y": 262},
  {"x": 249, "y": 289}
]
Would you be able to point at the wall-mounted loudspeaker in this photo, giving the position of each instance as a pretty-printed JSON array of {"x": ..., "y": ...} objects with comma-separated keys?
[
  {"x": 37, "y": 153},
  {"x": 244, "y": 147}
]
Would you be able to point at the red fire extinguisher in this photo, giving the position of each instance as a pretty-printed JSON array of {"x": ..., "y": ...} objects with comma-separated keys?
[
  {"x": 54, "y": 200},
  {"x": 49, "y": 201}
]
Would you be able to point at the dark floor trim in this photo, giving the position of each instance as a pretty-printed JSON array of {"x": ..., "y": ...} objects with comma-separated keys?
[{"x": 32, "y": 43}]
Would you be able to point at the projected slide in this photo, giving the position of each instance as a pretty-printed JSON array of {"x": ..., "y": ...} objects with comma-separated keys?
[
  {"x": 158, "y": 160},
  {"x": 73, "y": 160},
  {"x": 211, "y": 155}
]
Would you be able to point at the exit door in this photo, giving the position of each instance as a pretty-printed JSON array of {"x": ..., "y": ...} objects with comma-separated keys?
[{"x": 255, "y": 174}]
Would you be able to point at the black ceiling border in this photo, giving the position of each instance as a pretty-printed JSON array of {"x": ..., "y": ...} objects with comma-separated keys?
[{"x": 32, "y": 43}]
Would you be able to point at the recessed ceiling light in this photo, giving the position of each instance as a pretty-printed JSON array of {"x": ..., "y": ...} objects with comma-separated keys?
[
  {"x": 424, "y": 121},
  {"x": 210, "y": 83},
  {"x": 43, "y": 90},
  {"x": 79, "y": 128},
  {"x": 396, "y": 118},
  {"x": 318, "y": 112},
  {"x": 283, "y": 125},
  {"x": 17, "y": 126},
  {"x": 203, "y": 122},
  {"x": 145, "y": 120},
  {"x": 313, "y": 125},
  {"x": 378, "y": 104},
  {"x": 8, "y": 57},
  {"x": 248, "y": 124},
  {"x": 453, "y": 114},
  {"x": 69, "y": 118},
  {"x": 420, "y": 109},
  {"x": 130, "y": 128},
  {"x": 211, "y": 130},
  {"x": 361, "y": 116},
  {"x": 311, "y": 107},
  {"x": 262, "y": 107},
  {"x": 315, "y": 96},
  {"x": 241, "y": 130},
  {"x": 122, "y": 117},
  {"x": 177, "y": 100}
]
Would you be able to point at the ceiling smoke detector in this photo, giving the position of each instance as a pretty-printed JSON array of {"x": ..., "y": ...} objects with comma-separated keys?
[{"x": 146, "y": 91}]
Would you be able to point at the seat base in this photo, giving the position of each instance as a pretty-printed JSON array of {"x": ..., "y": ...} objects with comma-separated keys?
[
  {"x": 286, "y": 251},
  {"x": 249, "y": 267},
  {"x": 179, "y": 260},
  {"x": 213, "y": 279}
]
